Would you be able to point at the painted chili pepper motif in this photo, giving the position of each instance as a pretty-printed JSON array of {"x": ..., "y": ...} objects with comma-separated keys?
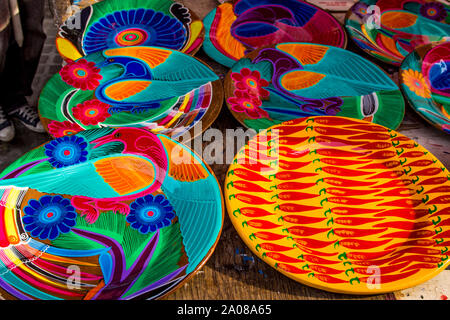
[{"x": 343, "y": 197}]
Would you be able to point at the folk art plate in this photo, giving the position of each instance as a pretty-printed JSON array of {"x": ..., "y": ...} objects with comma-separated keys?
[
  {"x": 122, "y": 23},
  {"x": 159, "y": 89},
  {"x": 291, "y": 80},
  {"x": 106, "y": 214},
  {"x": 390, "y": 29},
  {"x": 342, "y": 205},
  {"x": 425, "y": 81},
  {"x": 235, "y": 28}
]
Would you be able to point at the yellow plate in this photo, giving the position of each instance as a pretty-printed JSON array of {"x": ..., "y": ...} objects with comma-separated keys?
[{"x": 342, "y": 205}]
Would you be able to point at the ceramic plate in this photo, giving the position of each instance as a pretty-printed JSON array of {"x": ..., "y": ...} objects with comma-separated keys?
[
  {"x": 390, "y": 29},
  {"x": 425, "y": 80},
  {"x": 121, "y": 23},
  {"x": 106, "y": 214},
  {"x": 233, "y": 29},
  {"x": 292, "y": 80},
  {"x": 163, "y": 90},
  {"x": 342, "y": 205}
]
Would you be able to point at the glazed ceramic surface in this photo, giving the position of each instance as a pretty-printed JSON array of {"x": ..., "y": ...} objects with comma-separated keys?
[
  {"x": 159, "y": 89},
  {"x": 342, "y": 205},
  {"x": 233, "y": 29},
  {"x": 425, "y": 78},
  {"x": 390, "y": 29},
  {"x": 106, "y": 214},
  {"x": 121, "y": 23},
  {"x": 292, "y": 80}
]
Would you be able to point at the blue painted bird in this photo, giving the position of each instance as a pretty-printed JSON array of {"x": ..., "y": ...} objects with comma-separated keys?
[{"x": 150, "y": 75}]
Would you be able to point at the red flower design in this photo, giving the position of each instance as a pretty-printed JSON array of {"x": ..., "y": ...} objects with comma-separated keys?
[
  {"x": 250, "y": 81},
  {"x": 81, "y": 74},
  {"x": 60, "y": 129},
  {"x": 247, "y": 103},
  {"x": 91, "y": 112}
]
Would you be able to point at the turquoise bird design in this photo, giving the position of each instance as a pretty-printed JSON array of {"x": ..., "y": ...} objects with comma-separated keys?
[{"x": 150, "y": 75}]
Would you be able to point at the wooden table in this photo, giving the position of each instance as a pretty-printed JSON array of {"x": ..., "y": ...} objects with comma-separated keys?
[{"x": 233, "y": 272}]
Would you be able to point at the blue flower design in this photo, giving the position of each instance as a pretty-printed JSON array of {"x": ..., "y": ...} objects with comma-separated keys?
[
  {"x": 66, "y": 151},
  {"x": 135, "y": 27},
  {"x": 150, "y": 213},
  {"x": 48, "y": 217}
]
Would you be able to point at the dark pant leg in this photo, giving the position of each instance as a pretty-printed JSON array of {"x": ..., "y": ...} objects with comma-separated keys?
[{"x": 21, "y": 62}]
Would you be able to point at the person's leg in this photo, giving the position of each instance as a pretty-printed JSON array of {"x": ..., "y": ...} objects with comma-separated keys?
[
  {"x": 22, "y": 62},
  {"x": 6, "y": 127}
]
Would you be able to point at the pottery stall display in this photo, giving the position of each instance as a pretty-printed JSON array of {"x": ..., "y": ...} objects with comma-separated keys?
[{"x": 121, "y": 23}]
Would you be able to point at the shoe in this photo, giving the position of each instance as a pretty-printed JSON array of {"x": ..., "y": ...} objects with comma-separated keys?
[
  {"x": 7, "y": 131},
  {"x": 29, "y": 118}
]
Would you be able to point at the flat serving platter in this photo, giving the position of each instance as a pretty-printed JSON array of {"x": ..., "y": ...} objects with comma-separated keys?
[
  {"x": 292, "y": 80},
  {"x": 121, "y": 23},
  {"x": 106, "y": 214},
  {"x": 342, "y": 205},
  {"x": 235, "y": 28}
]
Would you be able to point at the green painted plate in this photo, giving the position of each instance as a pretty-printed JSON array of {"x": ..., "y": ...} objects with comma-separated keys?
[
  {"x": 425, "y": 81},
  {"x": 390, "y": 29},
  {"x": 292, "y": 80}
]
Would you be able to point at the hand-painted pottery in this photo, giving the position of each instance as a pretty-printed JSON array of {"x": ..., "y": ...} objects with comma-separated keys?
[
  {"x": 342, "y": 205},
  {"x": 233, "y": 29},
  {"x": 106, "y": 214},
  {"x": 292, "y": 80},
  {"x": 390, "y": 29},
  {"x": 122, "y": 23},
  {"x": 163, "y": 90},
  {"x": 71, "y": 8},
  {"x": 425, "y": 80}
]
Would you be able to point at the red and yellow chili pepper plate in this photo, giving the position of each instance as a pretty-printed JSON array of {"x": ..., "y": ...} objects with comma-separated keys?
[{"x": 342, "y": 205}]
